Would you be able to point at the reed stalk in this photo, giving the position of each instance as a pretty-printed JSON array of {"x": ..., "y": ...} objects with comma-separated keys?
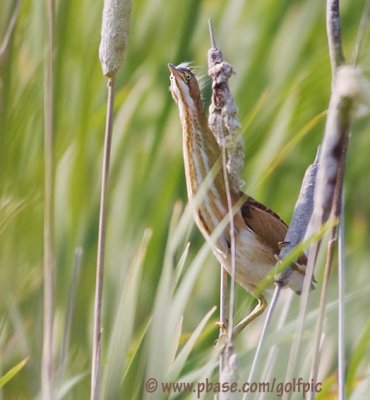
[{"x": 47, "y": 367}]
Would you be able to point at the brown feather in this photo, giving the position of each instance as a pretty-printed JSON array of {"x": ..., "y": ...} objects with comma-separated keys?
[{"x": 267, "y": 225}]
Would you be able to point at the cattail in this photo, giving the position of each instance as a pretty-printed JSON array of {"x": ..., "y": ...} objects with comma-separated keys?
[
  {"x": 114, "y": 35},
  {"x": 301, "y": 217},
  {"x": 223, "y": 120},
  {"x": 350, "y": 99}
]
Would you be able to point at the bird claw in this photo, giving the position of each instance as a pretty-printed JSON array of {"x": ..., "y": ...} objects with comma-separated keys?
[
  {"x": 281, "y": 245},
  {"x": 222, "y": 325}
]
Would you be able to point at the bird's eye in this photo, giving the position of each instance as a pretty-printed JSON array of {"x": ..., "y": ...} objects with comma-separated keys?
[{"x": 187, "y": 77}]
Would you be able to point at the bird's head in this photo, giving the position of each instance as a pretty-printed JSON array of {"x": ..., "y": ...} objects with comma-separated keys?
[{"x": 185, "y": 89}]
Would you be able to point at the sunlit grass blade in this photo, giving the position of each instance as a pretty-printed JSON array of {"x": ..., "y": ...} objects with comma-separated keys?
[
  {"x": 67, "y": 386},
  {"x": 12, "y": 372},
  {"x": 123, "y": 328},
  {"x": 181, "y": 359}
]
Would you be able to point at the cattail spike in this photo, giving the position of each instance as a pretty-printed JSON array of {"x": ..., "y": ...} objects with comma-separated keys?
[{"x": 114, "y": 35}]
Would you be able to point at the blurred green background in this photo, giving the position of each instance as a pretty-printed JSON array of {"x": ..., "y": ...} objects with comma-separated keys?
[{"x": 282, "y": 87}]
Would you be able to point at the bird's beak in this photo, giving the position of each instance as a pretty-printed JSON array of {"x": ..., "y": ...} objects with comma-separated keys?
[{"x": 175, "y": 72}]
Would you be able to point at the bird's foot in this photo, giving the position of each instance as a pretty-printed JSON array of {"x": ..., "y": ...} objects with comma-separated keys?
[{"x": 222, "y": 326}]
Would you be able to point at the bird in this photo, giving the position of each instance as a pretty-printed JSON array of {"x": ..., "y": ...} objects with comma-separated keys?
[{"x": 259, "y": 232}]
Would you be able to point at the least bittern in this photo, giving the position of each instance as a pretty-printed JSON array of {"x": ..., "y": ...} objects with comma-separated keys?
[{"x": 259, "y": 232}]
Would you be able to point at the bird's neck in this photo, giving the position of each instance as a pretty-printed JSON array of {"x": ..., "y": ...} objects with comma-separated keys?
[
  {"x": 203, "y": 170},
  {"x": 201, "y": 152}
]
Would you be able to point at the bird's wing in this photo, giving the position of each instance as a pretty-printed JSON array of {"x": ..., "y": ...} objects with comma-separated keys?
[{"x": 267, "y": 225}]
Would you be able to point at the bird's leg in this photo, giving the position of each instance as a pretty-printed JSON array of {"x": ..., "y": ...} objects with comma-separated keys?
[
  {"x": 222, "y": 324},
  {"x": 258, "y": 310}
]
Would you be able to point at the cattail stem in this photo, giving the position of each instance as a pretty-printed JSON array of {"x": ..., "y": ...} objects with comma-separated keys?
[
  {"x": 223, "y": 126},
  {"x": 334, "y": 34},
  {"x": 232, "y": 249},
  {"x": 48, "y": 330},
  {"x": 335, "y": 137},
  {"x": 341, "y": 306},
  {"x": 97, "y": 338},
  {"x": 112, "y": 49},
  {"x": 223, "y": 279},
  {"x": 336, "y": 211},
  {"x": 223, "y": 300}
]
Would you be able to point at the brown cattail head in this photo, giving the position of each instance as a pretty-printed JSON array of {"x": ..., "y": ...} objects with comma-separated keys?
[{"x": 223, "y": 120}]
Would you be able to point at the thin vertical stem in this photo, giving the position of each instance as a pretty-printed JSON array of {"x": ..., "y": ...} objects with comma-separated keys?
[
  {"x": 223, "y": 312},
  {"x": 341, "y": 309},
  {"x": 336, "y": 212},
  {"x": 322, "y": 309},
  {"x": 48, "y": 330},
  {"x": 334, "y": 34},
  {"x": 223, "y": 277},
  {"x": 211, "y": 33},
  {"x": 232, "y": 246},
  {"x": 223, "y": 300},
  {"x": 97, "y": 333}
]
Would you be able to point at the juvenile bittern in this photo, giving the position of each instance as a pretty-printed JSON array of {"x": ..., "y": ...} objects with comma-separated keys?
[{"x": 259, "y": 232}]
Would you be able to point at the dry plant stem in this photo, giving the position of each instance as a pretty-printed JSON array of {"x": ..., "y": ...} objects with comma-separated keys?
[
  {"x": 322, "y": 309},
  {"x": 301, "y": 217},
  {"x": 341, "y": 127},
  {"x": 228, "y": 359},
  {"x": 223, "y": 281},
  {"x": 232, "y": 248},
  {"x": 212, "y": 33},
  {"x": 224, "y": 124},
  {"x": 97, "y": 339},
  {"x": 222, "y": 121},
  {"x": 223, "y": 301},
  {"x": 336, "y": 210},
  {"x": 48, "y": 330},
  {"x": 341, "y": 306},
  {"x": 333, "y": 152},
  {"x": 223, "y": 313},
  {"x": 334, "y": 34}
]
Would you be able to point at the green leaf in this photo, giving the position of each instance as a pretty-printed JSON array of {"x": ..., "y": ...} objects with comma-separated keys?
[{"x": 12, "y": 372}]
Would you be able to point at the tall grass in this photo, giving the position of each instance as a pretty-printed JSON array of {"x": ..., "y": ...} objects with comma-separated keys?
[{"x": 165, "y": 288}]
